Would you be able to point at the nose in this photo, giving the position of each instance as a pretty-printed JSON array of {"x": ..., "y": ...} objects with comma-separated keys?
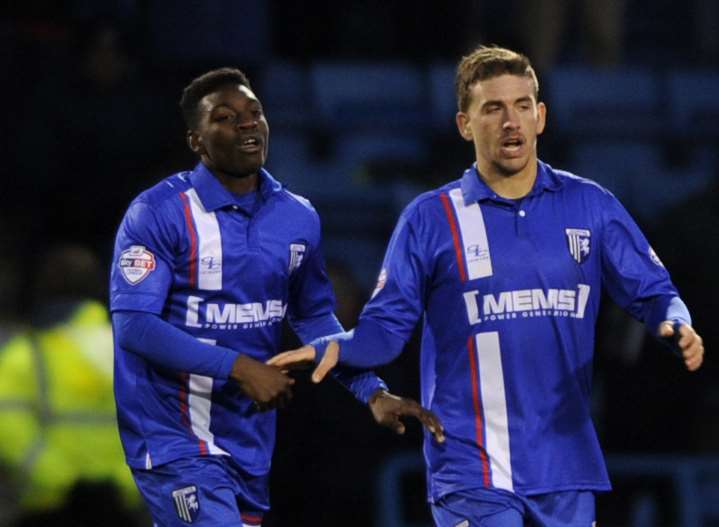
[
  {"x": 510, "y": 119},
  {"x": 247, "y": 123}
]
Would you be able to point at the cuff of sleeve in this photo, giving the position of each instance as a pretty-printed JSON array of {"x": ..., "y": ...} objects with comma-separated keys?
[
  {"x": 372, "y": 388},
  {"x": 667, "y": 308},
  {"x": 228, "y": 361},
  {"x": 321, "y": 343}
]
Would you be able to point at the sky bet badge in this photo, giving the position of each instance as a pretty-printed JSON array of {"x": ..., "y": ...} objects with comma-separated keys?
[
  {"x": 578, "y": 242},
  {"x": 136, "y": 263},
  {"x": 187, "y": 504}
]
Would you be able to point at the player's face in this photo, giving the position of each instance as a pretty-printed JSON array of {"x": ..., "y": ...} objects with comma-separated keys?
[
  {"x": 232, "y": 133},
  {"x": 503, "y": 121}
]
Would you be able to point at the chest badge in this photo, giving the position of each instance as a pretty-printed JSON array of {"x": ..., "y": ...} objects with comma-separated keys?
[
  {"x": 297, "y": 254},
  {"x": 578, "y": 243}
]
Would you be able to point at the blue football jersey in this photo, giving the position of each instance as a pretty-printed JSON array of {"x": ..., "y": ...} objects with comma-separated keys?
[
  {"x": 509, "y": 292},
  {"x": 188, "y": 251}
]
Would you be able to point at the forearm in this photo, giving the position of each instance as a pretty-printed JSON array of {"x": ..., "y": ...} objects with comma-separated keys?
[
  {"x": 367, "y": 346},
  {"x": 362, "y": 384},
  {"x": 169, "y": 347}
]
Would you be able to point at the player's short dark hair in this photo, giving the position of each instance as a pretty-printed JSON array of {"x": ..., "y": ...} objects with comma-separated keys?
[
  {"x": 487, "y": 62},
  {"x": 205, "y": 84}
]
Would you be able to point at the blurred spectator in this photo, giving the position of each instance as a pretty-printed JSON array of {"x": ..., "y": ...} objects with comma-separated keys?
[{"x": 57, "y": 419}]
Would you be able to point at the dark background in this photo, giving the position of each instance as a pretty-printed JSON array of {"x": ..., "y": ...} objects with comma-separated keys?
[{"x": 360, "y": 102}]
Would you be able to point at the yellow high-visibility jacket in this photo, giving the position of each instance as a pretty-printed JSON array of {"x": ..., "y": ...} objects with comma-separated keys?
[{"x": 57, "y": 411}]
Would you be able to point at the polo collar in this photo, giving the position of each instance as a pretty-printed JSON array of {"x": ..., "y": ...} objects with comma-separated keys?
[
  {"x": 214, "y": 195},
  {"x": 474, "y": 188}
]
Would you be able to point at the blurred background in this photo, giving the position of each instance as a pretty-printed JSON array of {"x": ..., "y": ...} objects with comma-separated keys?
[{"x": 360, "y": 101}]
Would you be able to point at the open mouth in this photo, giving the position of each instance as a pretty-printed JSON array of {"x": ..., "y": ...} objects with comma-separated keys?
[
  {"x": 250, "y": 144},
  {"x": 512, "y": 145}
]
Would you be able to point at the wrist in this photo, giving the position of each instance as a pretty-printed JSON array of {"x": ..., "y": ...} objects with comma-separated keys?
[
  {"x": 239, "y": 367},
  {"x": 380, "y": 392}
]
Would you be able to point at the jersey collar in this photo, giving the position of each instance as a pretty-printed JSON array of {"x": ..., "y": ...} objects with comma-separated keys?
[
  {"x": 214, "y": 195},
  {"x": 475, "y": 189}
]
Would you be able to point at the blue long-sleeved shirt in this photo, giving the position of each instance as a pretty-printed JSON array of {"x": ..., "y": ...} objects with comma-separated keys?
[
  {"x": 508, "y": 292},
  {"x": 199, "y": 277}
]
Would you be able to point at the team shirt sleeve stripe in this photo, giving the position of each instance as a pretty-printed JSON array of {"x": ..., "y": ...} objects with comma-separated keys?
[
  {"x": 209, "y": 245},
  {"x": 455, "y": 236},
  {"x": 473, "y": 233},
  {"x": 193, "y": 240}
]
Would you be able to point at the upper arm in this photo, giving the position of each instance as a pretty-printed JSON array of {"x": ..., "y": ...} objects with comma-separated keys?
[
  {"x": 399, "y": 298},
  {"x": 143, "y": 261}
]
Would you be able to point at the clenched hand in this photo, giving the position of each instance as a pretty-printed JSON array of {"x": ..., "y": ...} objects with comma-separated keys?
[
  {"x": 266, "y": 385},
  {"x": 689, "y": 342}
]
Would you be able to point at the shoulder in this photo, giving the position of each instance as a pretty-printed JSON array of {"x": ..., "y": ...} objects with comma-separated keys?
[
  {"x": 296, "y": 201},
  {"x": 430, "y": 202},
  {"x": 163, "y": 193},
  {"x": 162, "y": 199},
  {"x": 576, "y": 184},
  {"x": 296, "y": 207},
  {"x": 158, "y": 207}
]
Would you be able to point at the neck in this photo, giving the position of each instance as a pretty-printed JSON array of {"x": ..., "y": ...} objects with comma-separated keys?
[
  {"x": 238, "y": 185},
  {"x": 509, "y": 185}
]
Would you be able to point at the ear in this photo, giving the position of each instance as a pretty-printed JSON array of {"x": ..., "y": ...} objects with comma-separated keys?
[
  {"x": 541, "y": 117},
  {"x": 194, "y": 141},
  {"x": 465, "y": 130}
]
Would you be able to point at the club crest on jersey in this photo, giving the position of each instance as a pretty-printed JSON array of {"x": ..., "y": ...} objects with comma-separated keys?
[
  {"x": 578, "y": 242},
  {"x": 187, "y": 503},
  {"x": 297, "y": 254},
  {"x": 136, "y": 263}
]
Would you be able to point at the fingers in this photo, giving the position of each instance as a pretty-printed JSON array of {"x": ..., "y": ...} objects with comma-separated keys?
[
  {"x": 280, "y": 399},
  {"x": 293, "y": 358},
  {"x": 689, "y": 342},
  {"x": 692, "y": 347},
  {"x": 428, "y": 419},
  {"x": 329, "y": 361},
  {"x": 387, "y": 410},
  {"x": 396, "y": 425}
]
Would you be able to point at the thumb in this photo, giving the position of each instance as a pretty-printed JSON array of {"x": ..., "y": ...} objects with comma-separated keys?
[
  {"x": 666, "y": 328},
  {"x": 329, "y": 361},
  {"x": 398, "y": 426}
]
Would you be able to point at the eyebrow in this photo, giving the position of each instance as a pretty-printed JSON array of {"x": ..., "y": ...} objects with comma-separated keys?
[
  {"x": 255, "y": 102},
  {"x": 220, "y": 106},
  {"x": 499, "y": 102}
]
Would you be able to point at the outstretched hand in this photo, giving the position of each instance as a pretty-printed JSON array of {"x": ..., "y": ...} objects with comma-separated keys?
[
  {"x": 305, "y": 356},
  {"x": 267, "y": 386},
  {"x": 690, "y": 343},
  {"x": 387, "y": 409}
]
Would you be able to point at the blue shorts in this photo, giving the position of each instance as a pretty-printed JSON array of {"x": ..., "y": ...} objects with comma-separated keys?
[
  {"x": 498, "y": 508},
  {"x": 203, "y": 491}
]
